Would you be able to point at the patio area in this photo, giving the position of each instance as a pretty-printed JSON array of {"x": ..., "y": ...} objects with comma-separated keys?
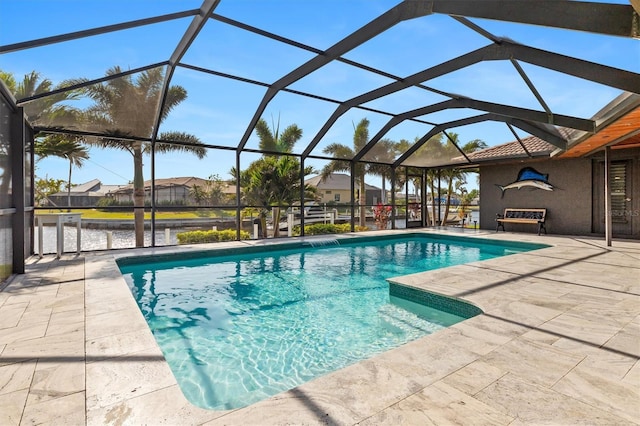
[{"x": 558, "y": 343}]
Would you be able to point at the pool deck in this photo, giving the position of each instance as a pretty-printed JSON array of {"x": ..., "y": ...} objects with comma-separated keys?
[{"x": 558, "y": 343}]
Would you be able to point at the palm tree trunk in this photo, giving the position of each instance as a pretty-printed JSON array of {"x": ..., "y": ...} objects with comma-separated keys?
[
  {"x": 69, "y": 187},
  {"x": 263, "y": 223},
  {"x": 275, "y": 212},
  {"x": 434, "y": 216},
  {"x": 363, "y": 202},
  {"x": 446, "y": 207},
  {"x": 138, "y": 195}
]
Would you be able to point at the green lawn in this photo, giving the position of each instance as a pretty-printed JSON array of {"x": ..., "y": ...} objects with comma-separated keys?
[{"x": 114, "y": 215}]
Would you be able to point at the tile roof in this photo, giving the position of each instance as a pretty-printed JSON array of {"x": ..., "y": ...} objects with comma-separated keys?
[{"x": 535, "y": 146}]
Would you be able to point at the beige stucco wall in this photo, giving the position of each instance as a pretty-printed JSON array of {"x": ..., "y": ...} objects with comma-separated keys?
[
  {"x": 569, "y": 205},
  {"x": 345, "y": 196}
]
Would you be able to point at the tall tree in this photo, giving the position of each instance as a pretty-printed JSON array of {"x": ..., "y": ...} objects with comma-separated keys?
[
  {"x": 453, "y": 174},
  {"x": 383, "y": 152},
  {"x": 431, "y": 152},
  {"x": 126, "y": 108},
  {"x": 342, "y": 153},
  {"x": 63, "y": 146},
  {"x": 45, "y": 111}
]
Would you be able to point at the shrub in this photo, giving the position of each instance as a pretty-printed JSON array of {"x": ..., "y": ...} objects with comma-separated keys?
[
  {"x": 327, "y": 228},
  {"x": 107, "y": 202},
  {"x": 201, "y": 237},
  {"x": 230, "y": 235}
]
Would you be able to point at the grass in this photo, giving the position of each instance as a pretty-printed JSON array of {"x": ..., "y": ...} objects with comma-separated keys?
[{"x": 116, "y": 215}]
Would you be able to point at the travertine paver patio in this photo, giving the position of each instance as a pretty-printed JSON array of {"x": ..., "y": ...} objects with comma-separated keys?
[{"x": 558, "y": 343}]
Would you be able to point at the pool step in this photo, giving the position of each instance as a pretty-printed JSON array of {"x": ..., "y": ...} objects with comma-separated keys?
[{"x": 398, "y": 320}]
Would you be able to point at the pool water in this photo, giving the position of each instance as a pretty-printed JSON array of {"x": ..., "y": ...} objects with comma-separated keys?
[{"x": 236, "y": 329}]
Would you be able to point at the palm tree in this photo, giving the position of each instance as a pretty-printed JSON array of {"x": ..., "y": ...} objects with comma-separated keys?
[
  {"x": 126, "y": 108},
  {"x": 272, "y": 182},
  {"x": 198, "y": 193},
  {"x": 430, "y": 152},
  {"x": 45, "y": 111},
  {"x": 384, "y": 151},
  {"x": 342, "y": 152},
  {"x": 451, "y": 175},
  {"x": 66, "y": 147},
  {"x": 273, "y": 140}
]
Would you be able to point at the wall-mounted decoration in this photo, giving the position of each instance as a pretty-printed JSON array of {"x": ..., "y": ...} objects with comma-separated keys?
[{"x": 528, "y": 177}]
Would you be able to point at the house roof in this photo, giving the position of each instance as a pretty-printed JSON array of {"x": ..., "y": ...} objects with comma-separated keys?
[
  {"x": 528, "y": 147},
  {"x": 92, "y": 185},
  {"x": 617, "y": 125},
  {"x": 335, "y": 182},
  {"x": 93, "y": 188},
  {"x": 186, "y": 181}
]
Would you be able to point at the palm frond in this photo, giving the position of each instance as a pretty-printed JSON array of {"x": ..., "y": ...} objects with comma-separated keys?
[
  {"x": 361, "y": 134},
  {"x": 9, "y": 81},
  {"x": 339, "y": 151},
  {"x": 289, "y": 137},
  {"x": 64, "y": 146},
  {"x": 175, "y": 95},
  {"x": 199, "y": 151},
  {"x": 267, "y": 139}
]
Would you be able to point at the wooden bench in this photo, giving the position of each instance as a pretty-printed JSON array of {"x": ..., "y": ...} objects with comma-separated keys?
[{"x": 532, "y": 216}]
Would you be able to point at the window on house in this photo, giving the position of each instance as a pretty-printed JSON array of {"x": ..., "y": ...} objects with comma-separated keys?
[
  {"x": 336, "y": 197},
  {"x": 618, "y": 192},
  {"x": 327, "y": 192}
]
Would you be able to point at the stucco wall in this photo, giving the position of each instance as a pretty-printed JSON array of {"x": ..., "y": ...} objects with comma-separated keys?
[
  {"x": 568, "y": 206},
  {"x": 345, "y": 196}
]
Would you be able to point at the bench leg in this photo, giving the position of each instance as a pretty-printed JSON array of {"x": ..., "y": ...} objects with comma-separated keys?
[
  {"x": 500, "y": 224},
  {"x": 541, "y": 227}
]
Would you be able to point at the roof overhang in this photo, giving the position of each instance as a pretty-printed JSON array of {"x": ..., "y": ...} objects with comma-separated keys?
[{"x": 617, "y": 126}]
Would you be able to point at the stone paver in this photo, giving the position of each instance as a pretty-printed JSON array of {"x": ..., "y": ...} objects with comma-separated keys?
[{"x": 558, "y": 343}]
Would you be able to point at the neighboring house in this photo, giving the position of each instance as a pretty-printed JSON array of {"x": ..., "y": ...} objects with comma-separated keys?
[
  {"x": 400, "y": 196},
  {"x": 336, "y": 189},
  {"x": 177, "y": 190},
  {"x": 575, "y": 205},
  {"x": 83, "y": 195}
]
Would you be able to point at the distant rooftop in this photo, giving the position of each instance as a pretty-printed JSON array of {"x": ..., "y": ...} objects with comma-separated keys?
[{"x": 335, "y": 181}]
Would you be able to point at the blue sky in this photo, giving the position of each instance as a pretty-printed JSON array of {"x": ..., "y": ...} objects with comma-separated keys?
[{"x": 217, "y": 110}]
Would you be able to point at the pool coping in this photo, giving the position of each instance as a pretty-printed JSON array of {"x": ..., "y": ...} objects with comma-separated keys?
[{"x": 561, "y": 325}]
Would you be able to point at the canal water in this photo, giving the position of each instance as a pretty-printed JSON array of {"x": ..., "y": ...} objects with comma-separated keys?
[{"x": 96, "y": 239}]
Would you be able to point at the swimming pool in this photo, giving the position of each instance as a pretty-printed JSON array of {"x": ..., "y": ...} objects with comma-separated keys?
[{"x": 242, "y": 325}]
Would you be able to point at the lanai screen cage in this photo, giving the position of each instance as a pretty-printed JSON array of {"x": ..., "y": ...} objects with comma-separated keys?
[{"x": 225, "y": 109}]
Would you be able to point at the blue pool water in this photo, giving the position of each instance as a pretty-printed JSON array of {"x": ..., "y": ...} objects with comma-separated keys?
[{"x": 241, "y": 327}]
